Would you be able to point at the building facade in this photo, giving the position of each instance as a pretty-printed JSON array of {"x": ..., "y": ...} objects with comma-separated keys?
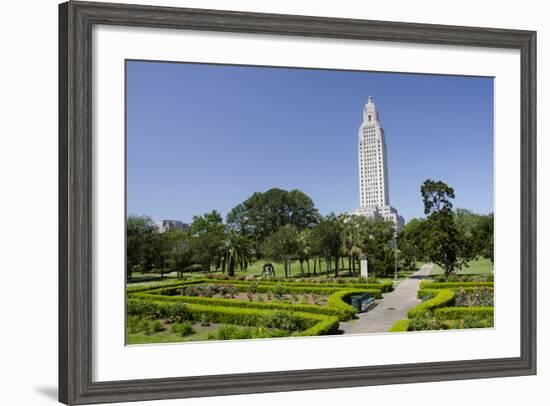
[
  {"x": 167, "y": 225},
  {"x": 373, "y": 169}
]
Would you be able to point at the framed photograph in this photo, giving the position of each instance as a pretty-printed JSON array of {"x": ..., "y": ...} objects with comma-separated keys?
[{"x": 226, "y": 223}]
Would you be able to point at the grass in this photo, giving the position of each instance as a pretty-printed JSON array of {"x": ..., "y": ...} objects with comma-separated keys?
[
  {"x": 481, "y": 266},
  {"x": 164, "y": 337}
]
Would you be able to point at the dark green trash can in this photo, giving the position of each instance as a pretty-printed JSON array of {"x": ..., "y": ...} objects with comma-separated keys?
[{"x": 362, "y": 302}]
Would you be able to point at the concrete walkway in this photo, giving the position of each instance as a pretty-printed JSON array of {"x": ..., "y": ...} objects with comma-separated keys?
[{"x": 391, "y": 308}]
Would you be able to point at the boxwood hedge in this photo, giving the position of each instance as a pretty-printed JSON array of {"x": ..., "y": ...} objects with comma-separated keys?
[
  {"x": 337, "y": 305},
  {"x": 455, "y": 313},
  {"x": 452, "y": 285},
  {"x": 303, "y": 323},
  {"x": 444, "y": 297},
  {"x": 400, "y": 326}
]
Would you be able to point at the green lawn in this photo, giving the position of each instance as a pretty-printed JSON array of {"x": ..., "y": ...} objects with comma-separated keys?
[
  {"x": 481, "y": 266},
  {"x": 256, "y": 270}
]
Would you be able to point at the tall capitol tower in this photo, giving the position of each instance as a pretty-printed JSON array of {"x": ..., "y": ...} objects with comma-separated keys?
[{"x": 373, "y": 170}]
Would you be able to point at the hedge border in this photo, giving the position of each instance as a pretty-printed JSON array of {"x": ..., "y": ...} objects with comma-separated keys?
[
  {"x": 384, "y": 287},
  {"x": 450, "y": 285},
  {"x": 455, "y": 313},
  {"x": 400, "y": 326},
  {"x": 432, "y": 292},
  {"x": 443, "y": 298},
  {"x": 336, "y": 305},
  {"x": 309, "y": 323}
]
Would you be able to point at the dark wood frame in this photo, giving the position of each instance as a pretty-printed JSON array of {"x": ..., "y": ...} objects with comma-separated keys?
[{"x": 76, "y": 20}]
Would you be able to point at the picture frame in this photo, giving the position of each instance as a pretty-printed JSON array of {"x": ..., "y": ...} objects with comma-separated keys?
[{"x": 76, "y": 352}]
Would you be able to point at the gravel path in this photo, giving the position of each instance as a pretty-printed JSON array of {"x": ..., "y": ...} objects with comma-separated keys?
[{"x": 391, "y": 308}]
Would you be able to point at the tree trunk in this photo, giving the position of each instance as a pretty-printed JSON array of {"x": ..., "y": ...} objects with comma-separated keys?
[
  {"x": 289, "y": 268},
  {"x": 302, "y": 267},
  {"x": 336, "y": 263},
  {"x": 286, "y": 268},
  {"x": 314, "y": 265},
  {"x": 308, "y": 273}
]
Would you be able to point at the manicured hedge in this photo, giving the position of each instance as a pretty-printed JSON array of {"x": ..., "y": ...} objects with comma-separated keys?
[
  {"x": 336, "y": 302},
  {"x": 453, "y": 285},
  {"x": 322, "y": 328},
  {"x": 284, "y": 289},
  {"x": 400, "y": 326},
  {"x": 455, "y": 313},
  {"x": 305, "y": 323},
  {"x": 267, "y": 286},
  {"x": 422, "y": 293},
  {"x": 444, "y": 297}
]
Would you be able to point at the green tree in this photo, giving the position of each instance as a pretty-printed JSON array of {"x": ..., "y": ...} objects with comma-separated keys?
[
  {"x": 410, "y": 242},
  {"x": 282, "y": 246},
  {"x": 351, "y": 239},
  {"x": 376, "y": 243},
  {"x": 208, "y": 233},
  {"x": 236, "y": 252},
  {"x": 138, "y": 231},
  {"x": 443, "y": 242},
  {"x": 436, "y": 196},
  {"x": 304, "y": 249},
  {"x": 264, "y": 213},
  {"x": 180, "y": 253},
  {"x": 327, "y": 239}
]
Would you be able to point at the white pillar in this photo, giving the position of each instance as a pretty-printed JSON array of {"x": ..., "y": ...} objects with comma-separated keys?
[{"x": 364, "y": 267}]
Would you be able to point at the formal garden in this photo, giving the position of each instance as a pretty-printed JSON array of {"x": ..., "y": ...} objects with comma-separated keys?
[
  {"x": 212, "y": 308},
  {"x": 209, "y": 281}
]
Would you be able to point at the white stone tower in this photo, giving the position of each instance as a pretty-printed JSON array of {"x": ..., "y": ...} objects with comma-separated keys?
[{"x": 373, "y": 169}]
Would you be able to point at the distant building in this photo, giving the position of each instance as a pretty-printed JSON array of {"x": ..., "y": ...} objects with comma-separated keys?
[
  {"x": 373, "y": 170},
  {"x": 167, "y": 225}
]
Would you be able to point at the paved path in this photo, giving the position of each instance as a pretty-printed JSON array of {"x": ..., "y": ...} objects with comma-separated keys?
[{"x": 391, "y": 308}]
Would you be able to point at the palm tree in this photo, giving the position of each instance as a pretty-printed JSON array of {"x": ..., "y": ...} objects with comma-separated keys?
[
  {"x": 236, "y": 252},
  {"x": 351, "y": 239},
  {"x": 304, "y": 249}
]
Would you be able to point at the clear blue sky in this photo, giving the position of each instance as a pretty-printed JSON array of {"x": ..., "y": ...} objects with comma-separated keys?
[{"x": 203, "y": 137}]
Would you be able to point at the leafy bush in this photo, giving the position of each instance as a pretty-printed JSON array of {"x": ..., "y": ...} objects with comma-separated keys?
[
  {"x": 136, "y": 324},
  {"x": 443, "y": 298},
  {"x": 184, "y": 329},
  {"x": 141, "y": 308},
  {"x": 426, "y": 323},
  {"x": 283, "y": 320},
  {"x": 176, "y": 311},
  {"x": 277, "y": 290},
  {"x": 156, "y": 326}
]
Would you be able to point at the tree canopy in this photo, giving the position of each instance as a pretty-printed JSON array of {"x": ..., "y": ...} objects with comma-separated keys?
[{"x": 264, "y": 213}]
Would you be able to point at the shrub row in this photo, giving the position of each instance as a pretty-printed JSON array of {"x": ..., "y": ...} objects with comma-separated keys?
[
  {"x": 298, "y": 287},
  {"x": 452, "y": 285},
  {"x": 322, "y": 328},
  {"x": 336, "y": 302},
  {"x": 400, "y": 326},
  {"x": 455, "y": 313},
  {"x": 294, "y": 321},
  {"x": 283, "y": 289},
  {"x": 444, "y": 297},
  {"x": 429, "y": 293}
]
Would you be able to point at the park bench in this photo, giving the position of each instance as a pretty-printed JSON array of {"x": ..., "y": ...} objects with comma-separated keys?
[{"x": 362, "y": 303}]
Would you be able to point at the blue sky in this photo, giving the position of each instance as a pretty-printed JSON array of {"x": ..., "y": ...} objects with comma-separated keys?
[{"x": 203, "y": 137}]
